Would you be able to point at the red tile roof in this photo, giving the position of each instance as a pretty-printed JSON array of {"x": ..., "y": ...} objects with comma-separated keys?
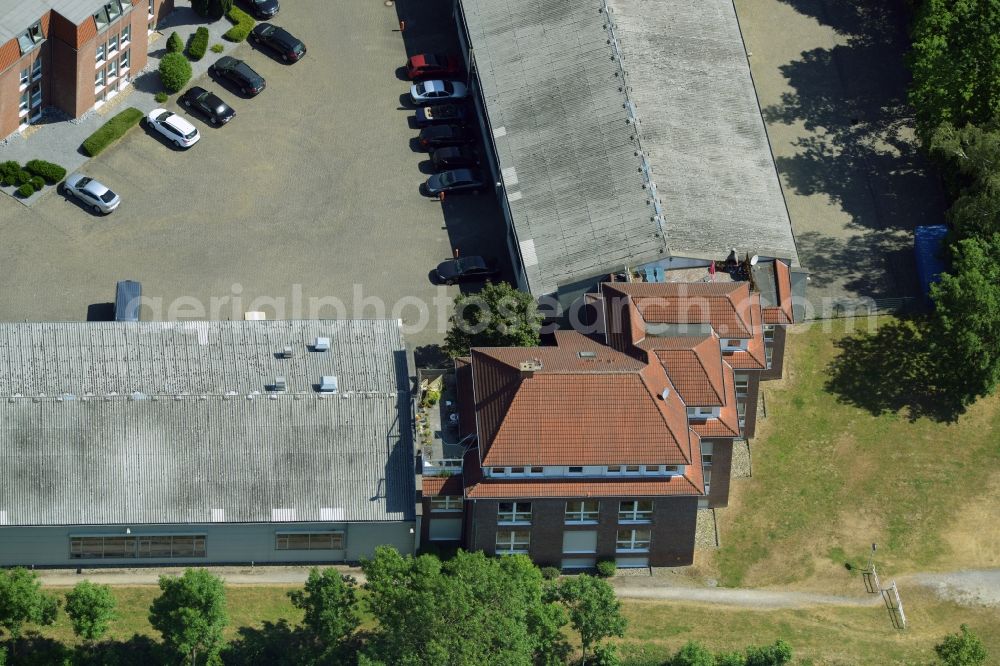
[
  {"x": 724, "y": 305},
  {"x": 728, "y": 423},
  {"x": 782, "y": 314},
  {"x": 694, "y": 366},
  {"x": 601, "y": 408},
  {"x": 441, "y": 485},
  {"x": 753, "y": 358}
]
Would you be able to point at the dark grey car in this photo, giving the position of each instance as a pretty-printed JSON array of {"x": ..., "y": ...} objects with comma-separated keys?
[
  {"x": 209, "y": 104},
  {"x": 240, "y": 74}
]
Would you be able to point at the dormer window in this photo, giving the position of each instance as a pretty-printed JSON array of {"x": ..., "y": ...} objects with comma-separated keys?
[
  {"x": 702, "y": 413},
  {"x": 30, "y": 38},
  {"x": 732, "y": 344},
  {"x": 575, "y": 470}
]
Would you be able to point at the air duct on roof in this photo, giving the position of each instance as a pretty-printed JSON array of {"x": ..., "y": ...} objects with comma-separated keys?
[
  {"x": 321, "y": 344},
  {"x": 328, "y": 384}
]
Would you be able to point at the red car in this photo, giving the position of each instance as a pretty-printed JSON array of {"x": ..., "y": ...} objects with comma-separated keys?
[{"x": 433, "y": 65}]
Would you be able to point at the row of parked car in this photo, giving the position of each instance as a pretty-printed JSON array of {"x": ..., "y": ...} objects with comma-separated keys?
[
  {"x": 177, "y": 129},
  {"x": 447, "y": 132}
]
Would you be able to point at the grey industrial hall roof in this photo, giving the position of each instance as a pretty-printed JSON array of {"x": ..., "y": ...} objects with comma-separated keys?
[
  {"x": 154, "y": 423},
  {"x": 571, "y": 158}
]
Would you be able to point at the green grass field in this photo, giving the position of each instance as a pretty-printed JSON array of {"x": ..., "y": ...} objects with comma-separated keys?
[{"x": 830, "y": 478}]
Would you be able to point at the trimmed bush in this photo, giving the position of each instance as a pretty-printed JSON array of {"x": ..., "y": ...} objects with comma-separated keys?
[
  {"x": 9, "y": 170},
  {"x": 22, "y": 177},
  {"x": 606, "y": 568},
  {"x": 174, "y": 43},
  {"x": 218, "y": 48},
  {"x": 242, "y": 22},
  {"x": 161, "y": 97},
  {"x": 175, "y": 71},
  {"x": 37, "y": 182},
  {"x": 198, "y": 44},
  {"x": 52, "y": 173},
  {"x": 218, "y": 8},
  {"x": 550, "y": 573},
  {"x": 26, "y": 190},
  {"x": 200, "y": 7},
  {"x": 111, "y": 131}
]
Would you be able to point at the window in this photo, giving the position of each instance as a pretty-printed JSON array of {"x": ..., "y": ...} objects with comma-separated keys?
[
  {"x": 576, "y": 470},
  {"x": 446, "y": 503},
  {"x": 123, "y": 547},
  {"x": 112, "y": 45},
  {"x": 23, "y": 108},
  {"x": 114, "y": 9},
  {"x": 576, "y": 541},
  {"x": 309, "y": 541},
  {"x": 25, "y": 74},
  {"x": 152, "y": 11},
  {"x": 732, "y": 343},
  {"x": 126, "y": 34},
  {"x": 100, "y": 53},
  {"x": 741, "y": 410},
  {"x": 30, "y": 38},
  {"x": 768, "y": 355},
  {"x": 632, "y": 541},
  {"x": 514, "y": 512},
  {"x": 651, "y": 468},
  {"x": 513, "y": 542},
  {"x": 517, "y": 470},
  {"x": 769, "y": 333},
  {"x": 36, "y": 69},
  {"x": 631, "y": 469},
  {"x": 36, "y": 96},
  {"x": 742, "y": 385},
  {"x": 101, "y": 18},
  {"x": 537, "y": 470},
  {"x": 672, "y": 469},
  {"x": 112, "y": 70},
  {"x": 582, "y": 511},
  {"x": 615, "y": 469},
  {"x": 123, "y": 62},
  {"x": 99, "y": 79},
  {"x": 707, "y": 472},
  {"x": 631, "y": 511},
  {"x": 700, "y": 412}
]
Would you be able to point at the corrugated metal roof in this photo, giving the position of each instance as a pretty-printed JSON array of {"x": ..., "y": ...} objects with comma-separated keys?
[
  {"x": 558, "y": 111},
  {"x": 178, "y": 423},
  {"x": 16, "y": 16}
]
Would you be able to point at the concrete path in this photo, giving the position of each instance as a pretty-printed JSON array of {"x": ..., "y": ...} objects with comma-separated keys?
[
  {"x": 642, "y": 588},
  {"x": 967, "y": 588},
  {"x": 58, "y": 139}
]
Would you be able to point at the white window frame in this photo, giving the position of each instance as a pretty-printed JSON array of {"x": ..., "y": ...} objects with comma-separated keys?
[
  {"x": 126, "y": 35},
  {"x": 768, "y": 334},
  {"x": 35, "y": 97},
  {"x": 445, "y": 503},
  {"x": 100, "y": 79},
  {"x": 635, "y": 511},
  {"x": 25, "y": 103},
  {"x": 513, "y": 542},
  {"x": 112, "y": 45},
  {"x": 518, "y": 514},
  {"x": 25, "y": 77},
  {"x": 124, "y": 60},
  {"x": 101, "y": 54},
  {"x": 152, "y": 9},
  {"x": 742, "y": 385},
  {"x": 768, "y": 356},
  {"x": 112, "y": 70},
  {"x": 336, "y": 539},
  {"x": 577, "y": 512},
  {"x": 634, "y": 541},
  {"x": 36, "y": 69},
  {"x": 30, "y": 38}
]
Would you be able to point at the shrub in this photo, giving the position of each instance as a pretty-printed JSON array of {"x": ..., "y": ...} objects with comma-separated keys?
[
  {"x": 111, "y": 131},
  {"x": 242, "y": 22},
  {"x": 52, "y": 173},
  {"x": 606, "y": 568},
  {"x": 175, "y": 71},
  {"x": 200, "y": 7},
  {"x": 550, "y": 573},
  {"x": 37, "y": 182},
  {"x": 218, "y": 8},
  {"x": 174, "y": 43},
  {"x": 22, "y": 177},
  {"x": 198, "y": 44},
  {"x": 218, "y": 48},
  {"x": 26, "y": 190},
  {"x": 9, "y": 170},
  {"x": 161, "y": 97}
]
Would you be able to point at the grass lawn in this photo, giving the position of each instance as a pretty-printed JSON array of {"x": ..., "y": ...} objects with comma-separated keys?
[{"x": 831, "y": 478}]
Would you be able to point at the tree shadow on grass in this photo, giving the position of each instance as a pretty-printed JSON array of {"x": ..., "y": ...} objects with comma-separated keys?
[
  {"x": 275, "y": 643},
  {"x": 894, "y": 369}
]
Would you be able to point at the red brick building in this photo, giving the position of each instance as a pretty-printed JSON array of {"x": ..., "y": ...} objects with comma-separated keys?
[
  {"x": 72, "y": 55},
  {"x": 605, "y": 446}
]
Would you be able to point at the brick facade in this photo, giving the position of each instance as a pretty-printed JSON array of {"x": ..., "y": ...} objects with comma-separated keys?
[{"x": 722, "y": 462}]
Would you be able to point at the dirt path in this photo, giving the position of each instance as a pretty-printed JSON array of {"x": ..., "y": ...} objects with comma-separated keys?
[
  {"x": 637, "y": 588},
  {"x": 967, "y": 588}
]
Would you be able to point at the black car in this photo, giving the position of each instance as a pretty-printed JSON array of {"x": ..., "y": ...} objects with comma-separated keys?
[
  {"x": 290, "y": 48},
  {"x": 241, "y": 74},
  {"x": 466, "y": 269},
  {"x": 438, "y": 114},
  {"x": 454, "y": 157},
  {"x": 444, "y": 135},
  {"x": 457, "y": 180},
  {"x": 199, "y": 99},
  {"x": 263, "y": 9}
]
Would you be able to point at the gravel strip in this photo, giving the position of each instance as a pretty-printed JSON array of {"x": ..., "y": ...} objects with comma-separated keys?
[
  {"x": 741, "y": 460},
  {"x": 704, "y": 535}
]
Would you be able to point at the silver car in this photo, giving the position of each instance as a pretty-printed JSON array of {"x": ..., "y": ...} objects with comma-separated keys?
[{"x": 96, "y": 196}]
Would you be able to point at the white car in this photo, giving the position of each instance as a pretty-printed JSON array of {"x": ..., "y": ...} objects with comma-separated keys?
[
  {"x": 180, "y": 131},
  {"x": 426, "y": 92},
  {"x": 95, "y": 195}
]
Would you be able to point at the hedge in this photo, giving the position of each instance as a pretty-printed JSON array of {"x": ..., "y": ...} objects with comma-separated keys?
[
  {"x": 175, "y": 71},
  {"x": 111, "y": 131},
  {"x": 174, "y": 43},
  {"x": 37, "y": 182},
  {"x": 198, "y": 44},
  {"x": 52, "y": 173},
  {"x": 242, "y": 22},
  {"x": 26, "y": 190},
  {"x": 22, "y": 177}
]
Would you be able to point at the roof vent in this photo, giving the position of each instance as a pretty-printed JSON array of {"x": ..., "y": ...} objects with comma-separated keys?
[
  {"x": 529, "y": 368},
  {"x": 587, "y": 354},
  {"x": 321, "y": 344},
  {"x": 285, "y": 353},
  {"x": 666, "y": 393},
  {"x": 279, "y": 384},
  {"x": 328, "y": 384}
]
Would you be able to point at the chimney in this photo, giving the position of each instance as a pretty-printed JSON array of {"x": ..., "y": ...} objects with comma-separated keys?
[{"x": 529, "y": 368}]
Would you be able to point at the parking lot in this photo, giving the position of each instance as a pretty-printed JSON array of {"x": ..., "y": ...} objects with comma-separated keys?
[{"x": 307, "y": 200}]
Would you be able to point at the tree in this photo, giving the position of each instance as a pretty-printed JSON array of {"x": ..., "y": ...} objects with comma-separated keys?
[
  {"x": 970, "y": 158},
  {"x": 955, "y": 61},
  {"x": 331, "y": 610},
  {"x": 693, "y": 654},
  {"x": 22, "y": 601},
  {"x": 175, "y": 71},
  {"x": 961, "y": 649},
  {"x": 190, "y": 613},
  {"x": 200, "y": 7},
  {"x": 469, "y": 611},
  {"x": 594, "y": 611},
  {"x": 967, "y": 322},
  {"x": 776, "y": 654},
  {"x": 497, "y": 316},
  {"x": 90, "y": 608},
  {"x": 218, "y": 8}
]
